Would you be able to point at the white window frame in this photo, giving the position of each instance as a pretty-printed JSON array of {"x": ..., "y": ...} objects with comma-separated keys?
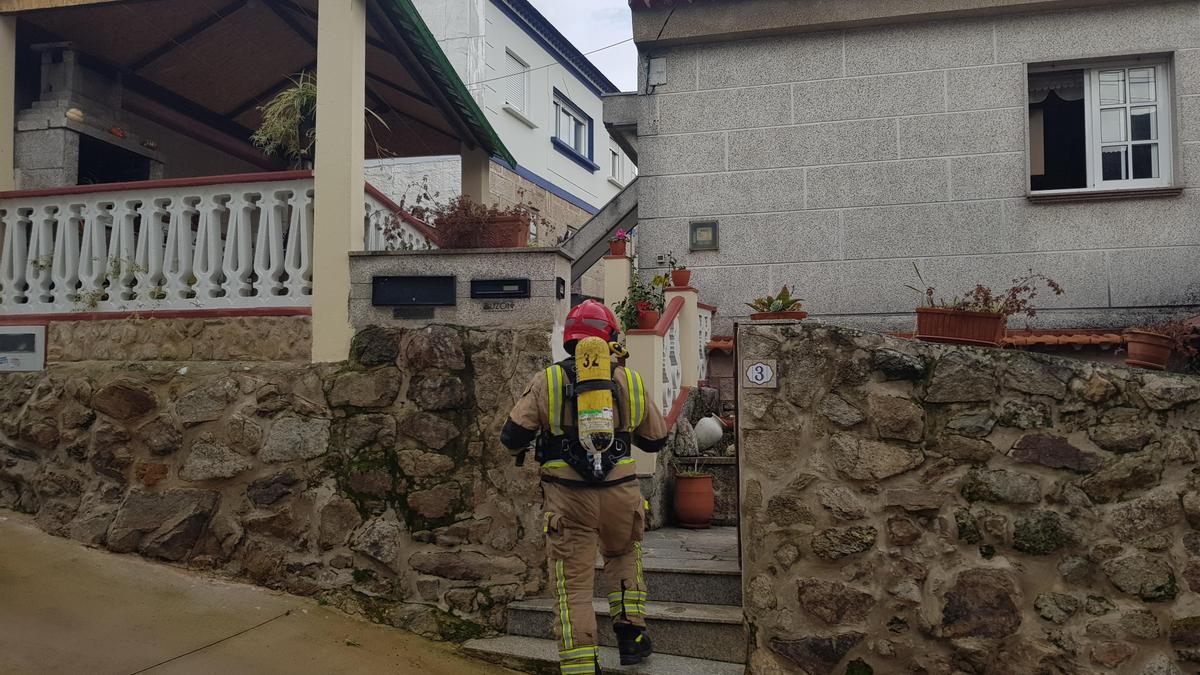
[
  {"x": 1164, "y": 102},
  {"x": 579, "y": 128},
  {"x": 615, "y": 164}
]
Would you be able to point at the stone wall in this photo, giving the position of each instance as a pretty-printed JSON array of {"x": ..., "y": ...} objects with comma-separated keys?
[
  {"x": 220, "y": 338},
  {"x": 909, "y": 507},
  {"x": 378, "y": 484}
]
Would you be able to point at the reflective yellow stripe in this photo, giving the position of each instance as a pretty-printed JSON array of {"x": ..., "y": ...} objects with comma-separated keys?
[
  {"x": 637, "y": 547},
  {"x": 632, "y": 406},
  {"x": 564, "y": 609},
  {"x": 555, "y": 464},
  {"x": 641, "y": 399},
  {"x": 627, "y": 460},
  {"x": 554, "y": 400},
  {"x": 578, "y": 653},
  {"x": 578, "y": 668}
]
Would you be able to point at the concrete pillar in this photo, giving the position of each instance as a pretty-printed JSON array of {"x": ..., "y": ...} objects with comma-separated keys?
[
  {"x": 689, "y": 332},
  {"x": 338, "y": 226},
  {"x": 476, "y": 175},
  {"x": 645, "y": 356},
  {"x": 617, "y": 269},
  {"x": 8, "y": 99}
]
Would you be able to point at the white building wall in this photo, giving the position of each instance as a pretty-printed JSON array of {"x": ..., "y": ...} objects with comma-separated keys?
[
  {"x": 836, "y": 161},
  {"x": 475, "y": 34}
]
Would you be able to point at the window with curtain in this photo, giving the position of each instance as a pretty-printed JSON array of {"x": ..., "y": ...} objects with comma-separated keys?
[{"x": 1100, "y": 127}]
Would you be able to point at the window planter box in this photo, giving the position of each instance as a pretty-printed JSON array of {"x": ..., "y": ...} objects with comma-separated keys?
[
  {"x": 938, "y": 324},
  {"x": 1148, "y": 350},
  {"x": 778, "y": 316}
]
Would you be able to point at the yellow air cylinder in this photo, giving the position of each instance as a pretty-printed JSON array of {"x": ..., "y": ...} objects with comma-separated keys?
[{"x": 595, "y": 405}]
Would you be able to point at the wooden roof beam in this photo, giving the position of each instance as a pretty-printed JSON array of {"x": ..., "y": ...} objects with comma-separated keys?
[{"x": 191, "y": 32}]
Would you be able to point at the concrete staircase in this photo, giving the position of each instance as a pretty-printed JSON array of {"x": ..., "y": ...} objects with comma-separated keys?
[{"x": 694, "y": 616}]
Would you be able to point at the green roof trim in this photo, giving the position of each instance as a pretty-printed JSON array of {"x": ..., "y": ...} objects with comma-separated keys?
[{"x": 408, "y": 22}]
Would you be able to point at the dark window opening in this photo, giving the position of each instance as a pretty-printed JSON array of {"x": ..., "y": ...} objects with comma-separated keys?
[
  {"x": 1057, "y": 131},
  {"x": 101, "y": 162}
]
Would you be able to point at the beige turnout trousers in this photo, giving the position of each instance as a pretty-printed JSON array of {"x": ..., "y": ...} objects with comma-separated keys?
[{"x": 580, "y": 521}]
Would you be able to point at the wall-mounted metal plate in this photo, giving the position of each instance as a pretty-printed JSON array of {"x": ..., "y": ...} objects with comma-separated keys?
[
  {"x": 22, "y": 348},
  {"x": 413, "y": 291},
  {"x": 485, "y": 289},
  {"x": 703, "y": 236}
]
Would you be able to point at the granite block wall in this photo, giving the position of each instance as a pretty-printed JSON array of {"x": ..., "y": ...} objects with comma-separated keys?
[{"x": 847, "y": 155}]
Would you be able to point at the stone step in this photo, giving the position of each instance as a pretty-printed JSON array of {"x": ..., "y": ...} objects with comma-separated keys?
[
  {"x": 710, "y": 582},
  {"x": 699, "y": 631},
  {"x": 534, "y": 655}
]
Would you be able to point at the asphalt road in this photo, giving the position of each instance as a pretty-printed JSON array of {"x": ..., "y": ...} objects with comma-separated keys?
[{"x": 66, "y": 608}]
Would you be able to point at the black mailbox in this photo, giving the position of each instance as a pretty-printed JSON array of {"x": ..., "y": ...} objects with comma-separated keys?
[
  {"x": 487, "y": 289},
  {"x": 413, "y": 291}
]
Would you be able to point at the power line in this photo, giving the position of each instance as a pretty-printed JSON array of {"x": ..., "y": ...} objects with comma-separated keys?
[{"x": 548, "y": 65}]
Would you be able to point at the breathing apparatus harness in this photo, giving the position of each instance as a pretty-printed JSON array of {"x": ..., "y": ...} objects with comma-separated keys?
[{"x": 583, "y": 400}]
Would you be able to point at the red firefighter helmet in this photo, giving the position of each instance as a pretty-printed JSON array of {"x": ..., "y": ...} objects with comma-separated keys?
[{"x": 590, "y": 319}]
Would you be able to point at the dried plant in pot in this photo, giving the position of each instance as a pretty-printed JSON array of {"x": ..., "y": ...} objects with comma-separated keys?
[
  {"x": 783, "y": 305},
  {"x": 980, "y": 316},
  {"x": 1152, "y": 346},
  {"x": 694, "y": 498}
]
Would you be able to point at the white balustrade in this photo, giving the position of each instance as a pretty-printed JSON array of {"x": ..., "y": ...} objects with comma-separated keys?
[
  {"x": 704, "y": 321},
  {"x": 158, "y": 245},
  {"x": 671, "y": 382},
  {"x": 387, "y": 229}
]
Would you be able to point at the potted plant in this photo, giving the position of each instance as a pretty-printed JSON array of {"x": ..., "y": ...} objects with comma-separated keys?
[
  {"x": 694, "y": 500},
  {"x": 980, "y": 317},
  {"x": 782, "y": 305},
  {"x": 681, "y": 276},
  {"x": 1151, "y": 346},
  {"x": 619, "y": 244},
  {"x": 642, "y": 305}
]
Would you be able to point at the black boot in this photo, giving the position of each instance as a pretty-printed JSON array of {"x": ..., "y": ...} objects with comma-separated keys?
[{"x": 633, "y": 643}]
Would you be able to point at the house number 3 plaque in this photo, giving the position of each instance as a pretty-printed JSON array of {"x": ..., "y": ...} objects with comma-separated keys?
[{"x": 759, "y": 373}]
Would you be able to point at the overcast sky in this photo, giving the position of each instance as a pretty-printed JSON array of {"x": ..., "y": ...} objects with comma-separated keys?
[{"x": 592, "y": 24}]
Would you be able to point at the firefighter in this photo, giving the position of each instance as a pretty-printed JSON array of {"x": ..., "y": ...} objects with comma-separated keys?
[{"x": 586, "y": 504}]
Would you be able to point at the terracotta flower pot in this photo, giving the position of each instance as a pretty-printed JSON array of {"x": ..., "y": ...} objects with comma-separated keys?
[
  {"x": 769, "y": 316},
  {"x": 681, "y": 278},
  {"x": 694, "y": 501},
  {"x": 1148, "y": 350},
  {"x": 617, "y": 247},
  {"x": 647, "y": 318},
  {"x": 982, "y": 329}
]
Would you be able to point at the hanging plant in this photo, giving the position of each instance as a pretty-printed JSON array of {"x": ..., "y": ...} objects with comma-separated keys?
[{"x": 289, "y": 122}]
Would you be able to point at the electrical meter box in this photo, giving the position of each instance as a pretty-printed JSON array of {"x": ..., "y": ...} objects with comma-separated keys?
[{"x": 22, "y": 348}]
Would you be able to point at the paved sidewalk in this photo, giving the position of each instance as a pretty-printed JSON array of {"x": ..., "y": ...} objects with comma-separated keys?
[{"x": 65, "y": 608}]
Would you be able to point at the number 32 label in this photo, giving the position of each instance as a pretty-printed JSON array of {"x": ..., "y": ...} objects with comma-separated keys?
[{"x": 760, "y": 374}]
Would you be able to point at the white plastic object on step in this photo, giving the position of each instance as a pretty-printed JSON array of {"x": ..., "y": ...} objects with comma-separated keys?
[{"x": 709, "y": 431}]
